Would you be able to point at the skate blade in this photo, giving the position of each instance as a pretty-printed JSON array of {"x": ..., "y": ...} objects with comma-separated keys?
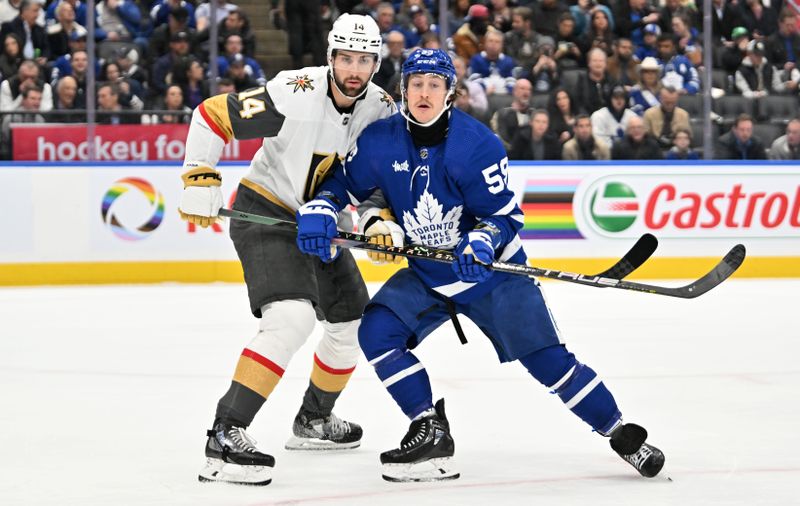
[
  {"x": 314, "y": 444},
  {"x": 216, "y": 470},
  {"x": 427, "y": 470}
]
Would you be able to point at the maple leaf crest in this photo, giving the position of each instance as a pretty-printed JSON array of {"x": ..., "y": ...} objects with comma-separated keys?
[{"x": 428, "y": 227}]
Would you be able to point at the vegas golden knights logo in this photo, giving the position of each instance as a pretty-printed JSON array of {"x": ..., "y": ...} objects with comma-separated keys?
[{"x": 322, "y": 166}]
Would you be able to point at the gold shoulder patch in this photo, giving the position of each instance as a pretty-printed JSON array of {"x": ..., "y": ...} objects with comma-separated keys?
[
  {"x": 387, "y": 99},
  {"x": 301, "y": 83}
]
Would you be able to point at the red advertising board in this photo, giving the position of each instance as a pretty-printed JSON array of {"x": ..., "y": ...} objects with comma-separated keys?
[{"x": 67, "y": 143}]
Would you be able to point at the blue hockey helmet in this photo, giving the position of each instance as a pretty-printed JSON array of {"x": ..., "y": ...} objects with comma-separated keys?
[{"x": 430, "y": 61}]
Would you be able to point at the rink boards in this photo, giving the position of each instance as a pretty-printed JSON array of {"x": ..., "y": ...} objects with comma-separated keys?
[{"x": 82, "y": 223}]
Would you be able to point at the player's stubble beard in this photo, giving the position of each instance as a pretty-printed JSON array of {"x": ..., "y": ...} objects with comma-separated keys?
[{"x": 344, "y": 88}]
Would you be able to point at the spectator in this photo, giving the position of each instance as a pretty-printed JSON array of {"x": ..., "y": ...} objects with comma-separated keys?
[
  {"x": 676, "y": 70},
  {"x": 162, "y": 69},
  {"x": 430, "y": 41},
  {"x": 304, "y": 22},
  {"x": 649, "y": 46},
  {"x": 109, "y": 108},
  {"x": 534, "y": 141},
  {"x": 127, "y": 60},
  {"x": 545, "y": 16},
  {"x": 725, "y": 16},
  {"x": 645, "y": 94},
  {"x": 491, "y": 67},
  {"x": 9, "y": 9},
  {"x": 385, "y": 19},
  {"x": 632, "y": 17},
  {"x": 682, "y": 146},
  {"x": 121, "y": 20},
  {"x": 11, "y": 57},
  {"x": 31, "y": 102},
  {"x": 468, "y": 40},
  {"x": 458, "y": 15},
  {"x": 35, "y": 45},
  {"x": 734, "y": 53},
  {"x": 76, "y": 65},
  {"x": 202, "y": 15},
  {"x": 663, "y": 120},
  {"x": 420, "y": 26},
  {"x": 582, "y": 12},
  {"x": 544, "y": 75},
  {"x": 177, "y": 21},
  {"x": 464, "y": 103},
  {"x": 739, "y": 143},
  {"x": 237, "y": 23},
  {"x": 501, "y": 15},
  {"x": 598, "y": 34},
  {"x": 568, "y": 52},
  {"x": 594, "y": 88},
  {"x": 585, "y": 146},
  {"x": 508, "y": 120},
  {"x": 563, "y": 113},
  {"x": 637, "y": 144},
  {"x": 131, "y": 93},
  {"x": 621, "y": 66},
  {"x": 760, "y": 20},
  {"x": 233, "y": 50},
  {"x": 163, "y": 8},
  {"x": 787, "y": 147},
  {"x": 756, "y": 77},
  {"x": 521, "y": 43},
  {"x": 688, "y": 41},
  {"x": 783, "y": 46},
  {"x": 28, "y": 76},
  {"x": 674, "y": 8},
  {"x": 190, "y": 78},
  {"x": 237, "y": 72},
  {"x": 60, "y": 33},
  {"x": 78, "y": 7},
  {"x": 172, "y": 101},
  {"x": 392, "y": 63},
  {"x": 67, "y": 99},
  {"x": 610, "y": 123},
  {"x": 477, "y": 95},
  {"x": 225, "y": 85},
  {"x": 370, "y": 8}
]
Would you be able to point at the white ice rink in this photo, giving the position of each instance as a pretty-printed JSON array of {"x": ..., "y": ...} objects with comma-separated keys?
[{"x": 107, "y": 392}]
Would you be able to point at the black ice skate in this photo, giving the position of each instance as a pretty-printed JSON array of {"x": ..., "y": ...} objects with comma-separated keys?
[
  {"x": 314, "y": 432},
  {"x": 629, "y": 442},
  {"x": 232, "y": 457},
  {"x": 425, "y": 453}
]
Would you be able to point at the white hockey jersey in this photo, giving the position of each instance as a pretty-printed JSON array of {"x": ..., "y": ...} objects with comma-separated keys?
[{"x": 305, "y": 135}]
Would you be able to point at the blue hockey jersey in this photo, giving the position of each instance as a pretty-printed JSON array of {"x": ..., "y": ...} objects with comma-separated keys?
[{"x": 437, "y": 193}]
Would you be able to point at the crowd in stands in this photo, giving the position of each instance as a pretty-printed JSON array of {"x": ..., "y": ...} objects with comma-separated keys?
[{"x": 554, "y": 79}]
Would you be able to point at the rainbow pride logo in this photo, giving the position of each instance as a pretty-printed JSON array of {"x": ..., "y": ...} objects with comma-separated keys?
[
  {"x": 114, "y": 205},
  {"x": 547, "y": 205}
]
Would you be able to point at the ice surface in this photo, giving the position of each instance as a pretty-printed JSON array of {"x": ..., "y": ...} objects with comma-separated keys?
[{"x": 107, "y": 392}]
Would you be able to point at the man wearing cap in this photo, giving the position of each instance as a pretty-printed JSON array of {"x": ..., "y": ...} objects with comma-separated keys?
[
  {"x": 420, "y": 25},
  {"x": 650, "y": 39},
  {"x": 468, "y": 39},
  {"x": 233, "y": 52},
  {"x": 734, "y": 53},
  {"x": 179, "y": 44},
  {"x": 756, "y": 77},
  {"x": 177, "y": 21}
]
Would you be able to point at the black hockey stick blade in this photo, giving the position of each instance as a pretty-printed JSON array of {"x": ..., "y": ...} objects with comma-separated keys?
[
  {"x": 633, "y": 259},
  {"x": 720, "y": 273}
]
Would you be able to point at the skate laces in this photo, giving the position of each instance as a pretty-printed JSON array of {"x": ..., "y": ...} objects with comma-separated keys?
[
  {"x": 420, "y": 436},
  {"x": 336, "y": 425},
  {"x": 639, "y": 458},
  {"x": 242, "y": 439}
]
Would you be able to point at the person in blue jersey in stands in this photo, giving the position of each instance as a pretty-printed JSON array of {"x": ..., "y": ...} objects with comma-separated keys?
[{"x": 444, "y": 176}]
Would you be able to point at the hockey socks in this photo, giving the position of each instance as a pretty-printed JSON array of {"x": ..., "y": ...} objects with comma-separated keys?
[{"x": 576, "y": 384}]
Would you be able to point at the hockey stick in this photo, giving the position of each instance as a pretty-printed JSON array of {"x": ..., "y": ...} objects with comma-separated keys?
[
  {"x": 727, "y": 266},
  {"x": 643, "y": 249}
]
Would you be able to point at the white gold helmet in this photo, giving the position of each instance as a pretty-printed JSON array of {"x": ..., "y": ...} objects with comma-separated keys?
[{"x": 354, "y": 32}]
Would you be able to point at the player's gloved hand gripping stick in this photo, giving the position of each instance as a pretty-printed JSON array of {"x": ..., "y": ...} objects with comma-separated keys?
[{"x": 611, "y": 278}]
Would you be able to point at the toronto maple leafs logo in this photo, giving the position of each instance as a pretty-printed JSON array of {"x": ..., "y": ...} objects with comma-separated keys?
[
  {"x": 428, "y": 227},
  {"x": 400, "y": 167},
  {"x": 301, "y": 83}
]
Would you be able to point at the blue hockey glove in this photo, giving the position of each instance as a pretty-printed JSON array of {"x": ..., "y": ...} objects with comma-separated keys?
[
  {"x": 316, "y": 226},
  {"x": 474, "y": 253}
]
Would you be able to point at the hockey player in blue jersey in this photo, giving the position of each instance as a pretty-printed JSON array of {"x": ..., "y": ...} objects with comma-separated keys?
[{"x": 444, "y": 176}]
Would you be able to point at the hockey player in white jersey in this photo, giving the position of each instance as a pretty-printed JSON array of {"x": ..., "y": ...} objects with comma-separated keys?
[{"x": 309, "y": 119}]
